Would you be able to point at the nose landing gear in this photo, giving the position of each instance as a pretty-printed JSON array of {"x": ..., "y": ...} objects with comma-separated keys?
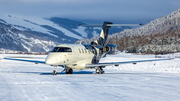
[{"x": 55, "y": 70}]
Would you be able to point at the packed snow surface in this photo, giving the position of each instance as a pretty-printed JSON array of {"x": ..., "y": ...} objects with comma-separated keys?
[{"x": 151, "y": 81}]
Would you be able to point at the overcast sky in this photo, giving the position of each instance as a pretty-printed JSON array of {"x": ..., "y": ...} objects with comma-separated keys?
[{"x": 117, "y": 11}]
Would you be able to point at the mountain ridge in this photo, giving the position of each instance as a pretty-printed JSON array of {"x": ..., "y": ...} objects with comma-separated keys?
[
  {"x": 159, "y": 25},
  {"x": 55, "y": 29}
]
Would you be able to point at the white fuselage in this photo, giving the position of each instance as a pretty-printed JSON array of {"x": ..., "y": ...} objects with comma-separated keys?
[{"x": 76, "y": 56}]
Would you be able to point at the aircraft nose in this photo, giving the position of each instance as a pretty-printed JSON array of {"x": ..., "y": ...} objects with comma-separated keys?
[{"x": 49, "y": 61}]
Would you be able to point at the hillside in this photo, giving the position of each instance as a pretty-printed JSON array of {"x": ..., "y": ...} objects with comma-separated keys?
[
  {"x": 16, "y": 31},
  {"x": 165, "y": 39},
  {"x": 13, "y": 39},
  {"x": 160, "y": 25},
  {"x": 168, "y": 42}
]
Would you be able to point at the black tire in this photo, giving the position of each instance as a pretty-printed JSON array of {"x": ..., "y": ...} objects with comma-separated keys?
[
  {"x": 70, "y": 71},
  {"x": 54, "y": 72},
  {"x": 97, "y": 72},
  {"x": 67, "y": 72}
]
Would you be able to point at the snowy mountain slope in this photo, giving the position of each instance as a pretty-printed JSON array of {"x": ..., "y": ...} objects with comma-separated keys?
[
  {"x": 38, "y": 26},
  {"x": 58, "y": 30},
  {"x": 13, "y": 39},
  {"x": 160, "y": 25}
]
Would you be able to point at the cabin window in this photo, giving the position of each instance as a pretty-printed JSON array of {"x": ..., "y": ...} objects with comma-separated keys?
[
  {"x": 85, "y": 50},
  {"x": 82, "y": 51},
  {"x": 79, "y": 51},
  {"x": 61, "y": 49}
]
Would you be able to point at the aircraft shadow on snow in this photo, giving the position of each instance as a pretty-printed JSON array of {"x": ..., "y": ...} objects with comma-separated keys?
[
  {"x": 50, "y": 73},
  {"x": 81, "y": 72}
]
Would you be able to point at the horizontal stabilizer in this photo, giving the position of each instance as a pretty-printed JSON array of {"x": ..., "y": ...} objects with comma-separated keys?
[{"x": 114, "y": 25}]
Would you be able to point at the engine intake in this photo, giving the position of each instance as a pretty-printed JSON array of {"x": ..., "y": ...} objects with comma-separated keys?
[
  {"x": 110, "y": 49},
  {"x": 106, "y": 49}
]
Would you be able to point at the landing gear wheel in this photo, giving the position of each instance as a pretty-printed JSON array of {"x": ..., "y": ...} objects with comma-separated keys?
[
  {"x": 69, "y": 71},
  {"x": 99, "y": 70},
  {"x": 54, "y": 72}
]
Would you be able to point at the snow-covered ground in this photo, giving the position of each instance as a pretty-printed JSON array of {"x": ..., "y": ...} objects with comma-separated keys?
[{"x": 152, "y": 81}]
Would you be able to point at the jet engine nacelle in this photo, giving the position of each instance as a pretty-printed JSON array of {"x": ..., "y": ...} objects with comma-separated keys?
[{"x": 110, "y": 49}]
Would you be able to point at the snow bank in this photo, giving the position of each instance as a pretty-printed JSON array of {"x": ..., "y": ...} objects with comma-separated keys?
[{"x": 169, "y": 66}]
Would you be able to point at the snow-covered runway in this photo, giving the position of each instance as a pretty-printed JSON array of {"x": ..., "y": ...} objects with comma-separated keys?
[{"x": 20, "y": 81}]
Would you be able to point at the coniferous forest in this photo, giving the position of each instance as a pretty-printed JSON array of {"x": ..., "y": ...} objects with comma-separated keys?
[{"x": 161, "y": 43}]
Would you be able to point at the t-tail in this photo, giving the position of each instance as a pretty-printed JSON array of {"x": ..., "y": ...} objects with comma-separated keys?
[{"x": 105, "y": 32}]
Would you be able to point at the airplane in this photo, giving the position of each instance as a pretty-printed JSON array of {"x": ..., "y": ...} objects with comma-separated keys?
[{"x": 83, "y": 56}]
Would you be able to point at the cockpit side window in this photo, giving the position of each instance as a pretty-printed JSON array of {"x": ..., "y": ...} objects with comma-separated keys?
[
  {"x": 61, "y": 49},
  {"x": 55, "y": 49}
]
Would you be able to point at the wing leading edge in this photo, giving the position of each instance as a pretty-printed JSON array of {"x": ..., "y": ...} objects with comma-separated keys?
[
  {"x": 34, "y": 61},
  {"x": 118, "y": 63}
]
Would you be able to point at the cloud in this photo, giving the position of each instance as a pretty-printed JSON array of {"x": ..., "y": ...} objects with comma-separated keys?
[{"x": 122, "y": 10}]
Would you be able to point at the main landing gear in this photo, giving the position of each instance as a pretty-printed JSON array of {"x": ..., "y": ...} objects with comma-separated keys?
[
  {"x": 99, "y": 70},
  {"x": 69, "y": 71},
  {"x": 66, "y": 69}
]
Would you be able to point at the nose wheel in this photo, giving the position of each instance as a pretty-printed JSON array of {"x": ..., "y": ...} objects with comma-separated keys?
[{"x": 55, "y": 70}]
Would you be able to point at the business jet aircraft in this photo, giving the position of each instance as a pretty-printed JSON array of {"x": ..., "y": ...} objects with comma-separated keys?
[{"x": 83, "y": 56}]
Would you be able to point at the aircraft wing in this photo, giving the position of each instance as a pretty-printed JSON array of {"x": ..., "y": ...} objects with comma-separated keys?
[
  {"x": 119, "y": 63},
  {"x": 25, "y": 60}
]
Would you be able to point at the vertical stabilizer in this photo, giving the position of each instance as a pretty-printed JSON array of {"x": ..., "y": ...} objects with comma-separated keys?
[{"x": 104, "y": 34}]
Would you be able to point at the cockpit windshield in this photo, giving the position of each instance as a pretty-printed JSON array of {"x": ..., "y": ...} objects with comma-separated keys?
[{"x": 61, "y": 49}]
